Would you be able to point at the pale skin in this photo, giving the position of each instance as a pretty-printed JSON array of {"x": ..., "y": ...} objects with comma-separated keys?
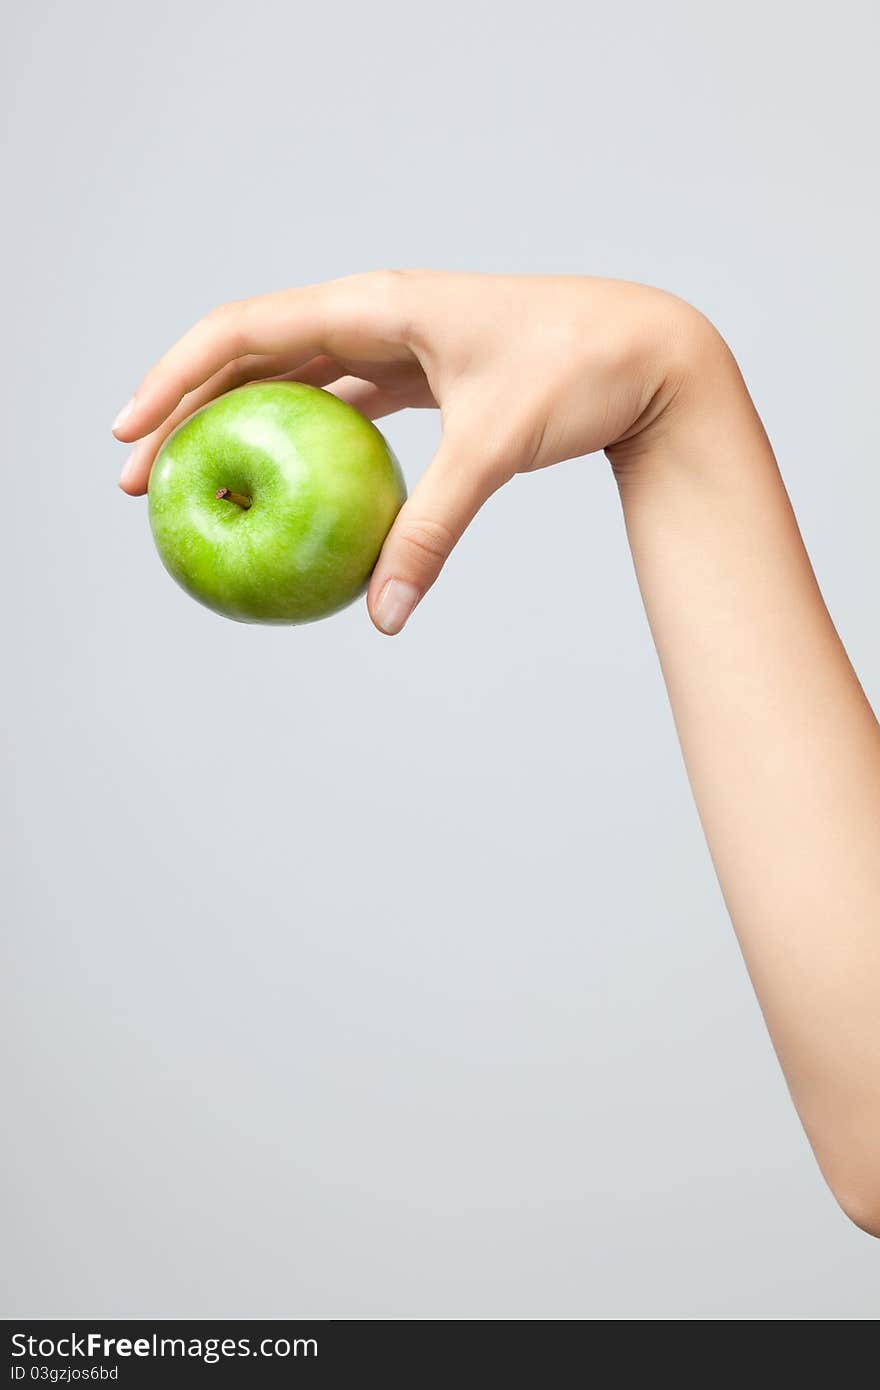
[{"x": 781, "y": 746}]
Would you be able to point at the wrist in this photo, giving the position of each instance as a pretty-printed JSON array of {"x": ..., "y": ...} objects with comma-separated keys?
[{"x": 698, "y": 401}]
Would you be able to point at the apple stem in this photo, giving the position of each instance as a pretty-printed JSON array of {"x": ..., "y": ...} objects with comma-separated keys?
[{"x": 237, "y": 497}]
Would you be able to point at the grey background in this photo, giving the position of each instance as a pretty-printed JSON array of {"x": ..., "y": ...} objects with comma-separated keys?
[{"x": 358, "y": 978}]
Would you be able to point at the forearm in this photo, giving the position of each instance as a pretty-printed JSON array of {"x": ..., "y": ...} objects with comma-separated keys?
[{"x": 781, "y": 746}]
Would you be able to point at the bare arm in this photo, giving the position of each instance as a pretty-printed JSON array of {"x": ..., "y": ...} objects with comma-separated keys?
[{"x": 781, "y": 746}]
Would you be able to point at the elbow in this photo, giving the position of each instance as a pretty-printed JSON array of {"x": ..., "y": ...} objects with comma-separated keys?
[
  {"x": 865, "y": 1215},
  {"x": 850, "y": 1166},
  {"x": 861, "y": 1205}
]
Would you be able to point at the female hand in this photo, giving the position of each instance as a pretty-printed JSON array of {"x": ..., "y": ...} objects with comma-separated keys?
[{"x": 525, "y": 370}]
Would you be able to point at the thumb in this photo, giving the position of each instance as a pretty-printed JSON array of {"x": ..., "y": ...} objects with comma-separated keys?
[{"x": 428, "y": 525}]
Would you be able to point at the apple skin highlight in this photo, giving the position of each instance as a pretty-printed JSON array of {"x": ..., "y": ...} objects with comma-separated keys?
[{"x": 271, "y": 504}]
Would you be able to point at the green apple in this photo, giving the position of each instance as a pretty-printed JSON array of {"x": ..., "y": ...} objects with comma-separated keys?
[{"x": 270, "y": 504}]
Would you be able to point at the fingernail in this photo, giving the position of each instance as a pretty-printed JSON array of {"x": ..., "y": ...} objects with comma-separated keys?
[
  {"x": 124, "y": 414},
  {"x": 396, "y": 601},
  {"x": 128, "y": 469}
]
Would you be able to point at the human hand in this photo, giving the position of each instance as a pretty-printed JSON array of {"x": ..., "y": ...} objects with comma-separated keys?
[{"x": 525, "y": 370}]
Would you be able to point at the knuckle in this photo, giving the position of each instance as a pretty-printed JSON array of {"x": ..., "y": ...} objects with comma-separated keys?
[
  {"x": 388, "y": 283},
  {"x": 386, "y": 297},
  {"x": 228, "y": 319},
  {"x": 222, "y": 313},
  {"x": 362, "y": 306},
  {"x": 238, "y": 371},
  {"x": 427, "y": 542},
  {"x": 224, "y": 310}
]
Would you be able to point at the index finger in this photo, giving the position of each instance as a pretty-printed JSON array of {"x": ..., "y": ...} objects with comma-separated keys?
[{"x": 292, "y": 321}]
